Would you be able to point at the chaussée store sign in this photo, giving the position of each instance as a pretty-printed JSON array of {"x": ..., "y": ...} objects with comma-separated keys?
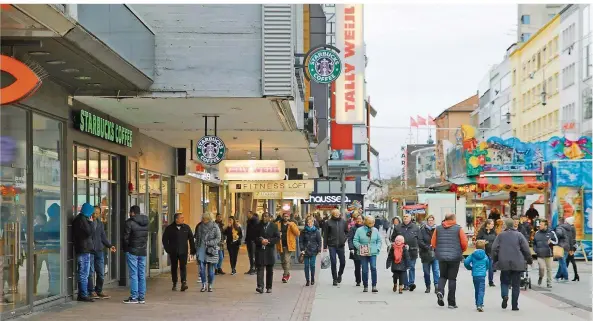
[{"x": 92, "y": 124}]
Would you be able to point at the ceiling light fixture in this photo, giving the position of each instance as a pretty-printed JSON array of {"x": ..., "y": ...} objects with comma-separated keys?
[
  {"x": 70, "y": 70},
  {"x": 38, "y": 53},
  {"x": 55, "y": 62},
  {"x": 83, "y": 78}
]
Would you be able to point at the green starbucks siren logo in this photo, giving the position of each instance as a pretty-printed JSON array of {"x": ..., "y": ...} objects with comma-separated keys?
[
  {"x": 324, "y": 66},
  {"x": 210, "y": 150}
]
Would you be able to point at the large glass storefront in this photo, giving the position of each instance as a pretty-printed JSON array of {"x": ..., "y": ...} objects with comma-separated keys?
[
  {"x": 95, "y": 182},
  {"x": 153, "y": 196},
  {"x": 31, "y": 266}
]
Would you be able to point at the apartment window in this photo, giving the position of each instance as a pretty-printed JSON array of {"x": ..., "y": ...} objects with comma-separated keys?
[
  {"x": 556, "y": 83},
  {"x": 528, "y": 99},
  {"x": 539, "y": 58},
  {"x": 524, "y": 102},
  {"x": 525, "y": 36},
  {"x": 534, "y": 95},
  {"x": 525, "y": 19},
  {"x": 556, "y": 45},
  {"x": 545, "y": 54},
  {"x": 513, "y": 106},
  {"x": 551, "y": 49},
  {"x": 550, "y": 121},
  {"x": 556, "y": 119},
  {"x": 587, "y": 103},
  {"x": 539, "y": 91},
  {"x": 549, "y": 87},
  {"x": 514, "y": 76},
  {"x": 568, "y": 76},
  {"x": 587, "y": 62},
  {"x": 524, "y": 74}
]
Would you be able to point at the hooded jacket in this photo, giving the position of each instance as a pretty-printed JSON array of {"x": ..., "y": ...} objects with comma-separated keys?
[
  {"x": 310, "y": 241},
  {"x": 478, "y": 262},
  {"x": 82, "y": 234},
  {"x": 136, "y": 235},
  {"x": 566, "y": 236}
]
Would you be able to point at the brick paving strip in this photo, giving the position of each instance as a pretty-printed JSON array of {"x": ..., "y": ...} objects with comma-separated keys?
[{"x": 234, "y": 298}]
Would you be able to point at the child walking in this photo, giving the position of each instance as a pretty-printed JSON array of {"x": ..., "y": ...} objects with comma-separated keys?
[
  {"x": 479, "y": 263},
  {"x": 310, "y": 246},
  {"x": 396, "y": 259}
]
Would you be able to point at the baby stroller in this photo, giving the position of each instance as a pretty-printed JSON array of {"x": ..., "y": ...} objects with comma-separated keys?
[{"x": 525, "y": 279}]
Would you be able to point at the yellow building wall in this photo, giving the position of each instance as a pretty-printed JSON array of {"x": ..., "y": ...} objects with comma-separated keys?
[{"x": 536, "y": 68}]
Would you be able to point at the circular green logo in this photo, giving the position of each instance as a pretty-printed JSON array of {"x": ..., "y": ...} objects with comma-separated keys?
[
  {"x": 324, "y": 66},
  {"x": 210, "y": 150}
]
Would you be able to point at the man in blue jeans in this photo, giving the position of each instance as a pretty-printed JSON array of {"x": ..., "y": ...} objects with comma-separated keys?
[
  {"x": 83, "y": 246},
  {"x": 135, "y": 240},
  {"x": 334, "y": 238},
  {"x": 97, "y": 262}
]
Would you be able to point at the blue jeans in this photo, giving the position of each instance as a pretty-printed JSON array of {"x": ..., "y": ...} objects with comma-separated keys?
[
  {"x": 562, "y": 267},
  {"x": 411, "y": 275},
  {"x": 97, "y": 265},
  {"x": 365, "y": 261},
  {"x": 84, "y": 267},
  {"x": 210, "y": 266},
  {"x": 310, "y": 267},
  {"x": 220, "y": 258},
  {"x": 339, "y": 252},
  {"x": 137, "y": 271},
  {"x": 480, "y": 289},
  {"x": 434, "y": 266}
]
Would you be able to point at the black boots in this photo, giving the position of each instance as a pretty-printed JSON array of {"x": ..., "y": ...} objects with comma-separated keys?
[
  {"x": 184, "y": 286},
  {"x": 576, "y": 278},
  {"x": 427, "y": 289},
  {"x": 219, "y": 272},
  {"x": 174, "y": 287}
]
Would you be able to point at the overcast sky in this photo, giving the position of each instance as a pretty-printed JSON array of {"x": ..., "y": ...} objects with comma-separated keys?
[{"x": 425, "y": 58}]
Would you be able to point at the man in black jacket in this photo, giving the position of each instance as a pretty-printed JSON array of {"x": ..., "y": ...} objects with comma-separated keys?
[
  {"x": 100, "y": 242},
  {"x": 410, "y": 231},
  {"x": 176, "y": 238},
  {"x": 250, "y": 237},
  {"x": 83, "y": 246},
  {"x": 334, "y": 238},
  {"x": 135, "y": 241}
]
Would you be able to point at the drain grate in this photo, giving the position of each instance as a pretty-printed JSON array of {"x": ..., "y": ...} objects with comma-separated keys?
[{"x": 373, "y": 302}]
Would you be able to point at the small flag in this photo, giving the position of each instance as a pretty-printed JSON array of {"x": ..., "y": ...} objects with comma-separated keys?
[
  {"x": 431, "y": 120},
  {"x": 413, "y": 122},
  {"x": 421, "y": 121}
]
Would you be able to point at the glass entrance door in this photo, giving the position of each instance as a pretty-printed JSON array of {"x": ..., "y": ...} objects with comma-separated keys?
[{"x": 153, "y": 230}]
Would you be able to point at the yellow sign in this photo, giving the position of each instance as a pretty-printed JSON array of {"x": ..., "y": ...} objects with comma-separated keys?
[
  {"x": 251, "y": 170},
  {"x": 272, "y": 186}
]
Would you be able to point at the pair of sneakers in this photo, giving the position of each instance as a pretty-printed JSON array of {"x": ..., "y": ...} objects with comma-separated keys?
[
  {"x": 131, "y": 300},
  {"x": 285, "y": 278}
]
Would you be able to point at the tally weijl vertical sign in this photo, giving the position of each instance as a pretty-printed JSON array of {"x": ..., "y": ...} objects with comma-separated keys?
[{"x": 350, "y": 84}]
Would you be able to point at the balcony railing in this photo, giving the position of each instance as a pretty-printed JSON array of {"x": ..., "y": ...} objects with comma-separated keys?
[{"x": 122, "y": 30}]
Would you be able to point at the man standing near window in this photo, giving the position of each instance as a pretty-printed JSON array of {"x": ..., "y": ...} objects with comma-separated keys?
[
  {"x": 97, "y": 263},
  {"x": 176, "y": 238},
  {"x": 83, "y": 246},
  {"x": 135, "y": 241}
]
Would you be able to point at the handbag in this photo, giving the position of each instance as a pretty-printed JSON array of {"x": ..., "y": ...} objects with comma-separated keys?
[
  {"x": 302, "y": 258},
  {"x": 364, "y": 250},
  {"x": 325, "y": 262},
  {"x": 558, "y": 252}
]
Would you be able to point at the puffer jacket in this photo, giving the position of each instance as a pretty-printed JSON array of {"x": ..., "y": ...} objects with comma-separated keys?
[
  {"x": 374, "y": 242},
  {"x": 136, "y": 235},
  {"x": 541, "y": 247},
  {"x": 489, "y": 237},
  {"x": 566, "y": 236},
  {"x": 478, "y": 262},
  {"x": 397, "y": 267},
  {"x": 310, "y": 240},
  {"x": 83, "y": 235}
]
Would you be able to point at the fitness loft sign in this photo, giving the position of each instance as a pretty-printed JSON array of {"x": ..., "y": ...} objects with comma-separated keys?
[
  {"x": 332, "y": 199},
  {"x": 97, "y": 126}
]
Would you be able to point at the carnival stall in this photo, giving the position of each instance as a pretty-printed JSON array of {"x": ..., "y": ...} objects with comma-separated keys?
[{"x": 417, "y": 211}]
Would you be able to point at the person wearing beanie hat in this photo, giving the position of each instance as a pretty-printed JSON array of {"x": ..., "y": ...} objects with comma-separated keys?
[{"x": 83, "y": 246}]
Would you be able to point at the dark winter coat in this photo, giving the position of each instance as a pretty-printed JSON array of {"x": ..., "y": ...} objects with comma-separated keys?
[
  {"x": 100, "y": 240},
  {"x": 266, "y": 255},
  {"x": 566, "y": 236},
  {"x": 426, "y": 250},
  {"x": 228, "y": 235},
  {"x": 176, "y": 240},
  {"x": 136, "y": 235},
  {"x": 410, "y": 232},
  {"x": 525, "y": 229},
  {"x": 489, "y": 237},
  {"x": 395, "y": 267},
  {"x": 510, "y": 251},
  {"x": 82, "y": 234},
  {"x": 541, "y": 247},
  {"x": 251, "y": 229},
  {"x": 310, "y": 241},
  {"x": 351, "y": 247},
  {"x": 335, "y": 234}
]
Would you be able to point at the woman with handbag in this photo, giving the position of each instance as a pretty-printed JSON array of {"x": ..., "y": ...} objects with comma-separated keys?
[
  {"x": 427, "y": 254},
  {"x": 367, "y": 242},
  {"x": 310, "y": 241},
  {"x": 233, "y": 234},
  {"x": 207, "y": 242},
  {"x": 353, "y": 255}
]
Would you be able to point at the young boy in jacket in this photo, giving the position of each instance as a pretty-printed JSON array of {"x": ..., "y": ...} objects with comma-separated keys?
[{"x": 479, "y": 263}]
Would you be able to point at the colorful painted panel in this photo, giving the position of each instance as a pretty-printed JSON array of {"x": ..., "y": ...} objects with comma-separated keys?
[
  {"x": 587, "y": 199},
  {"x": 584, "y": 246}
]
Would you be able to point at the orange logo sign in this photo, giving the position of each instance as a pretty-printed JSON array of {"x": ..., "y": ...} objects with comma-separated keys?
[{"x": 25, "y": 84}]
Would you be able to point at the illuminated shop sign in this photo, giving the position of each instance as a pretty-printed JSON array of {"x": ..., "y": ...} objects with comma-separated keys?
[
  {"x": 251, "y": 170},
  {"x": 92, "y": 124},
  {"x": 272, "y": 186}
]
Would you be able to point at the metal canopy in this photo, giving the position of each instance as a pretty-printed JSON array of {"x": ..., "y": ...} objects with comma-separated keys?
[{"x": 358, "y": 168}]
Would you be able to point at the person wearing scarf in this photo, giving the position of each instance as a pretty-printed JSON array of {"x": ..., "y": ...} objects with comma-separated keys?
[
  {"x": 367, "y": 242},
  {"x": 310, "y": 245},
  {"x": 396, "y": 259},
  {"x": 426, "y": 253}
]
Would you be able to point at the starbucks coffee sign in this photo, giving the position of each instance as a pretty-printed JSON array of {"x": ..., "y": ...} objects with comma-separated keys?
[
  {"x": 324, "y": 66},
  {"x": 210, "y": 150},
  {"x": 100, "y": 127}
]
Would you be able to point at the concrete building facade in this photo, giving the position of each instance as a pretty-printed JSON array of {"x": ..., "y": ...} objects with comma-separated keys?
[{"x": 531, "y": 17}]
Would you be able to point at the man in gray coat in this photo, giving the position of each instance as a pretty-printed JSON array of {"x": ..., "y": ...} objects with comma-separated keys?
[{"x": 510, "y": 253}]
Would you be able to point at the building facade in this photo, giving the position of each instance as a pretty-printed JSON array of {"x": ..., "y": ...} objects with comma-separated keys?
[
  {"x": 586, "y": 65},
  {"x": 536, "y": 85},
  {"x": 531, "y": 17}
]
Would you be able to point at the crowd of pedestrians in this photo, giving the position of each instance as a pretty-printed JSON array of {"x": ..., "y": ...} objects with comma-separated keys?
[{"x": 440, "y": 248}]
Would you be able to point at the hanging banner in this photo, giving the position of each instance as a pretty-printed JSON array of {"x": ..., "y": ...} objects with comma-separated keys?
[
  {"x": 251, "y": 170},
  {"x": 272, "y": 186},
  {"x": 350, "y": 100}
]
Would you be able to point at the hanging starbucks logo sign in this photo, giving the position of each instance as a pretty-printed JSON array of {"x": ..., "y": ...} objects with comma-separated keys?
[
  {"x": 323, "y": 66},
  {"x": 210, "y": 150}
]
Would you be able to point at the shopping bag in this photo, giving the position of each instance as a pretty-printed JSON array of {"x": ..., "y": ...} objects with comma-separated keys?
[
  {"x": 558, "y": 252},
  {"x": 325, "y": 263}
]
